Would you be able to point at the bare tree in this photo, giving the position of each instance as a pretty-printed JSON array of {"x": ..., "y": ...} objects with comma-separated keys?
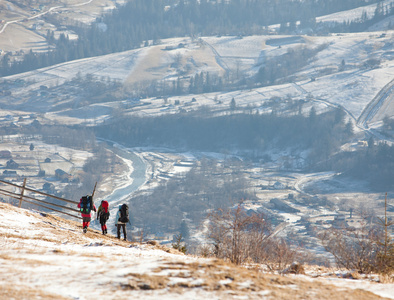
[
  {"x": 352, "y": 249},
  {"x": 236, "y": 235},
  {"x": 365, "y": 249},
  {"x": 277, "y": 254}
]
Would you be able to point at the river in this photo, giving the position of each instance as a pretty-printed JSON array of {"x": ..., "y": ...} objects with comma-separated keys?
[
  {"x": 124, "y": 193},
  {"x": 137, "y": 175}
]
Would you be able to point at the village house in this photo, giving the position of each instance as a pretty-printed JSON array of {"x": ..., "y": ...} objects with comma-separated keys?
[
  {"x": 62, "y": 175},
  {"x": 8, "y": 173},
  {"x": 5, "y": 154},
  {"x": 11, "y": 164},
  {"x": 48, "y": 187}
]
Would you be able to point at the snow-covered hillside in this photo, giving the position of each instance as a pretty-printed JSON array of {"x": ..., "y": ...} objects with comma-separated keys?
[
  {"x": 339, "y": 75},
  {"x": 23, "y": 24},
  {"x": 46, "y": 257},
  {"x": 353, "y": 14}
]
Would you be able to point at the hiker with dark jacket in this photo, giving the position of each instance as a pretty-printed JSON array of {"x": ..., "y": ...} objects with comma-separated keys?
[
  {"x": 86, "y": 205},
  {"x": 122, "y": 217},
  {"x": 103, "y": 215}
]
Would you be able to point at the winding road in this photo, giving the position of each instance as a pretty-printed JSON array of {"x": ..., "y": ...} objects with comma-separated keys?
[
  {"x": 54, "y": 8},
  {"x": 385, "y": 94}
]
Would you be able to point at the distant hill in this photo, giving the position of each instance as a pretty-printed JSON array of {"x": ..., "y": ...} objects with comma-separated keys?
[{"x": 146, "y": 22}]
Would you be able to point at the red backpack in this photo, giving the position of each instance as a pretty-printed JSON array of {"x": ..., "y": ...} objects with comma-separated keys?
[
  {"x": 104, "y": 213},
  {"x": 105, "y": 205}
]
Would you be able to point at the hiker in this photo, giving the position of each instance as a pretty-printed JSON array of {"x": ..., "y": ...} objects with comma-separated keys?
[
  {"x": 103, "y": 214},
  {"x": 86, "y": 205},
  {"x": 122, "y": 217}
]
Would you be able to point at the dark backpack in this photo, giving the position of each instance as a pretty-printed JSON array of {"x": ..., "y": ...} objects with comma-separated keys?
[
  {"x": 104, "y": 212},
  {"x": 105, "y": 215},
  {"x": 86, "y": 204},
  {"x": 124, "y": 214}
]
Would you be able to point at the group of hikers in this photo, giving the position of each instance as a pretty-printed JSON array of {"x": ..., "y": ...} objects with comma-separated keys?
[{"x": 86, "y": 205}]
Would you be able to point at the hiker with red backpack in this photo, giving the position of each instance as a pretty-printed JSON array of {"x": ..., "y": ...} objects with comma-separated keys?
[
  {"x": 103, "y": 214},
  {"x": 86, "y": 205},
  {"x": 122, "y": 217}
]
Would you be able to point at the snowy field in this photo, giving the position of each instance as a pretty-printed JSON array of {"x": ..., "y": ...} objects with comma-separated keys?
[
  {"x": 45, "y": 257},
  {"x": 23, "y": 26}
]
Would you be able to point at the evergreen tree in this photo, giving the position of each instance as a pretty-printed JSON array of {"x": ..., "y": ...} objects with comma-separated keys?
[
  {"x": 184, "y": 229},
  {"x": 233, "y": 105}
]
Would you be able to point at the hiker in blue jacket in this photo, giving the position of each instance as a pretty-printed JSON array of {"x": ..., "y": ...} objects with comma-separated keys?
[{"x": 86, "y": 205}]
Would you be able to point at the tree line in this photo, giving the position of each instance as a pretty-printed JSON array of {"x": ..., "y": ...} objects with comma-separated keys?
[
  {"x": 363, "y": 23},
  {"x": 374, "y": 163},
  {"x": 248, "y": 133}
]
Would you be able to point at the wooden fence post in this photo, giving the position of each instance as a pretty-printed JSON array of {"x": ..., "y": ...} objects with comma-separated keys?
[
  {"x": 22, "y": 197},
  {"x": 22, "y": 191}
]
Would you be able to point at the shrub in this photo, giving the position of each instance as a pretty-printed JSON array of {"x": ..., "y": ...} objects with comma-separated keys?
[
  {"x": 366, "y": 249},
  {"x": 236, "y": 235},
  {"x": 243, "y": 236},
  {"x": 179, "y": 245}
]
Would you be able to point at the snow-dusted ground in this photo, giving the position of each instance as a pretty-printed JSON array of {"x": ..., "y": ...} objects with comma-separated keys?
[{"x": 44, "y": 257}]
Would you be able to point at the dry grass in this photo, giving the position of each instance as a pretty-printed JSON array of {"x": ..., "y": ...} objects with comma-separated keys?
[
  {"x": 222, "y": 277},
  {"x": 145, "y": 282},
  {"x": 384, "y": 278},
  {"x": 26, "y": 293},
  {"x": 22, "y": 237},
  {"x": 18, "y": 260},
  {"x": 294, "y": 268},
  {"x": 353, "y": 275}
]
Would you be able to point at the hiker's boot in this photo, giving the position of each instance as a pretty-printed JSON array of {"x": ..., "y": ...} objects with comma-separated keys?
[
  {"x": 85, "y": 229},
  {"x": 105, "y": 231}
]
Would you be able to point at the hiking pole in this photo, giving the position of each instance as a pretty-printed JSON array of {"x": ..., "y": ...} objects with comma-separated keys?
[{"x": 94, "y": 189}]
